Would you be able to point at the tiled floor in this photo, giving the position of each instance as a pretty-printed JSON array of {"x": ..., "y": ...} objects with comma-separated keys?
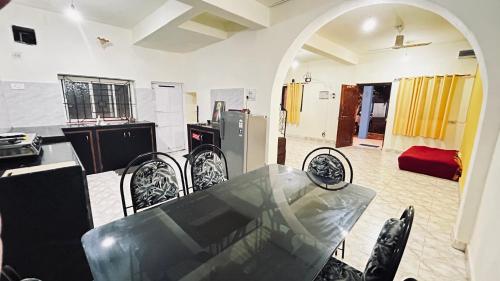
[
  {"x": 370, "y": 142},
  {"x": 428, "y": 255}
]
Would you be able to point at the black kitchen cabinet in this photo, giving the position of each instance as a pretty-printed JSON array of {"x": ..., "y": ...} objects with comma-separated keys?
[
  {"x": 82, "y": 143},
  {"x": 44, "y": 215},
  {"x": 140, "y": 142},
  {"x": 111, "y": 147},
  {"x": 114, "y": 148}
]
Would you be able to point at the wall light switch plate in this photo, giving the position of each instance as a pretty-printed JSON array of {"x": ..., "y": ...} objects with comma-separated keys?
[
  {"x": 17, "y": 86},
  {"x": 252, "y": 94}
]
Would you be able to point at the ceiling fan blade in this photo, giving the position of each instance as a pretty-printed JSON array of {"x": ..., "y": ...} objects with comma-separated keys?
[{"x": 416, "y": 45}]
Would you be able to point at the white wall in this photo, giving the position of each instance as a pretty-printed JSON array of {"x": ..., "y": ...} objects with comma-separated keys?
[
  {"x": 322, "y": 115},
  {"x": 484, "y": 248},
  {"x": 229, "y": 66},
  {"x": 317, "y": 115},
  {"x": 71, "y": 48}
]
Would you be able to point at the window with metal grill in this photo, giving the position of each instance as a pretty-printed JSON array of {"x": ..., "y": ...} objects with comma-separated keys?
[{"x": 87, "y": 98}]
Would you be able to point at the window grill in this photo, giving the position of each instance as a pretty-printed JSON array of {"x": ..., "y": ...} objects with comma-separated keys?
[{"x": 87, "y": 98}]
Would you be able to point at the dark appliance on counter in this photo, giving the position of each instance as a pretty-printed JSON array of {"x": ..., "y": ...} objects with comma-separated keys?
[
  {"x": 16, "y": 145},
  {"x": 199, "y": 134}
]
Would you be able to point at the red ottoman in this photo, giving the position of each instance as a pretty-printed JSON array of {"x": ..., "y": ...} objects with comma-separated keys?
[{"x": 435, "y": 162}]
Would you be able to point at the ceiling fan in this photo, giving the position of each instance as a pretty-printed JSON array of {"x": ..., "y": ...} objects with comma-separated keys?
[
  {"x": 399, "y": 43},
  {"x": 400, "y": 40}
]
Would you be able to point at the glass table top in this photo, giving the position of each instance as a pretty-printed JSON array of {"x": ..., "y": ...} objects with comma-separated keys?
[{"x": 270, "y": 224}]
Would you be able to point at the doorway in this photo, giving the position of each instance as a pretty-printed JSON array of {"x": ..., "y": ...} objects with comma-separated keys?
[
  {"x": 363, "y": 115},
  {"x": 371, "y": 115},
  {"x": 169, "y": 116}
]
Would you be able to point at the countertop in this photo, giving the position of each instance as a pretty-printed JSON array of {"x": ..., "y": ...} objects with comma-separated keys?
[
  {"x": 211, "y": 126},
  {"x": 55, "y": 133},
  {"x": 51, "y": 154},
  {"x": 49, "y": 134}
]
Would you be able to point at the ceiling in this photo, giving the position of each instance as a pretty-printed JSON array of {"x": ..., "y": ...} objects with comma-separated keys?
[
  {"x": 306, "y": 56},
  {"x": 272, "y": 3},
  {"x": 122, "y": 13},
  {"x": 420, "y": 26},
  {"x": 218, "y": 22},
  {"x": 169, "y": 25}
]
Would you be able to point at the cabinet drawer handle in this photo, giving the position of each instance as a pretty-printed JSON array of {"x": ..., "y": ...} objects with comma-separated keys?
[
  {"x": 129, "y": 133},
  {"x": 124, "y": 134},
  {"x": 87, "y": 138}
]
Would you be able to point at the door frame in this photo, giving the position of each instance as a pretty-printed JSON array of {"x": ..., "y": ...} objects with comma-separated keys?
[
  {"x": 181, "y": 85},
  {"x": 340, "y": 111},
  {"x": 361, "y": 85}
]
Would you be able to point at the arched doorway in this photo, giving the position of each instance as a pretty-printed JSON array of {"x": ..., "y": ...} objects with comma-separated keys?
[{"x": 485, "y": 140}]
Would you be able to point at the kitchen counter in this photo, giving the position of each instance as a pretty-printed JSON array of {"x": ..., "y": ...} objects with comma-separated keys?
[
  {"x": 49, "y": 134},
  {"x": 55, "y": 153},
  {"x": 109, "y": 125},
  {"x": 45, "y": 210},
  {"x": 55, "y": 133}
]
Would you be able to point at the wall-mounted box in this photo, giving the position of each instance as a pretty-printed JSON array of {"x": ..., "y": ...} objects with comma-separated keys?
[{"x": 323, "y": 95}]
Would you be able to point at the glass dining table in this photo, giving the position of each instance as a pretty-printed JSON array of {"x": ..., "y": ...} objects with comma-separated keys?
[{"x": 273, "y": 223}]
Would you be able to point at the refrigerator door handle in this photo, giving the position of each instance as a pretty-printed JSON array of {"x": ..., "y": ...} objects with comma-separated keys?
[{"x": 222, "y": 128}]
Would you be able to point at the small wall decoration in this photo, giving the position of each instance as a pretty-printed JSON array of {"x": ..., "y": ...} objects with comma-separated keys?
[
  {"x": 324, "y": 95},
  {"x": 104, "y": 42}
]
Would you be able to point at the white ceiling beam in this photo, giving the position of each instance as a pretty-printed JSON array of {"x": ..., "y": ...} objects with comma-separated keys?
[
  {"x": 204, "y": 29},
  {"x": 162, "y": 16},
  {"x": 249, "y": 13},
  {"x": 324, "y": 47}
]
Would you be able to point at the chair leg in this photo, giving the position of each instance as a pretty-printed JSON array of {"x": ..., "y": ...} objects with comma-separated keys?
[{"x": 343, "y": 248}]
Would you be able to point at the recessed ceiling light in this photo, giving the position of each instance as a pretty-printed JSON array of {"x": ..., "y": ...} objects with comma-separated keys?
[
  {"x": 295, "y": 64},
  {"x": 369, "y": 24},
  {"x": 73, "y": 13}
]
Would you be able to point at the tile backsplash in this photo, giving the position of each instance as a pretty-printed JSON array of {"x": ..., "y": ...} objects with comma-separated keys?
[
  {"x": 33, "y": 104},
  {"x": 4, "y": 114}
]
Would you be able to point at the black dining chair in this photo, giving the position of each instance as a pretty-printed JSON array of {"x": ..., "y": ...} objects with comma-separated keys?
[
  {"x": 385, "y": 257},
  {"x": 328, "y": 166},
  {"x": 153, "y": 181},
  {"x": 207, "y": 166}
]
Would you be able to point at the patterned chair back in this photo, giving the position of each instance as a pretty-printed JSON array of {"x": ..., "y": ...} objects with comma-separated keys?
[
  {"x": 208, "y": 167},
  {"x": 153, "y": 182},
  {"x": 389, "y": 248},
  {"x": 327, "y": 166}
]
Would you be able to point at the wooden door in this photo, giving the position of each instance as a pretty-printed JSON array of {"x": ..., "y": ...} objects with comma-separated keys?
[{"x": 348, "y": 104}]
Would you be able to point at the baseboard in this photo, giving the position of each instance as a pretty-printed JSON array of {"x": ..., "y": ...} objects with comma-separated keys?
[
  {"x": 392, "y": 150},
  {"x": 311, "y": 139},
  {"x": 468, "y": 268}
]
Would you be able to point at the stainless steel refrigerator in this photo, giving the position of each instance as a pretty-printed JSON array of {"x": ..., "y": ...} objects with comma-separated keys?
[{"x": 243, "y": 141}]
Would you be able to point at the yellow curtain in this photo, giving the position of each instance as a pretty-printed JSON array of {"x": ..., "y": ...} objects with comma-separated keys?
[
  {"x": 293, "y": 102},
  {"x": 470, "y": 130},
  {"x": 423, "y": 105}
]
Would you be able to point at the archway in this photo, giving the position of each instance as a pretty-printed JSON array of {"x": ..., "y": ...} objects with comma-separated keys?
[{"x": 484, "y": 142}]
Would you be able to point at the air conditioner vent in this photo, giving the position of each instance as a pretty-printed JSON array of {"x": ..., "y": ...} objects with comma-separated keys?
[{"x": 465, "y": 54}]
